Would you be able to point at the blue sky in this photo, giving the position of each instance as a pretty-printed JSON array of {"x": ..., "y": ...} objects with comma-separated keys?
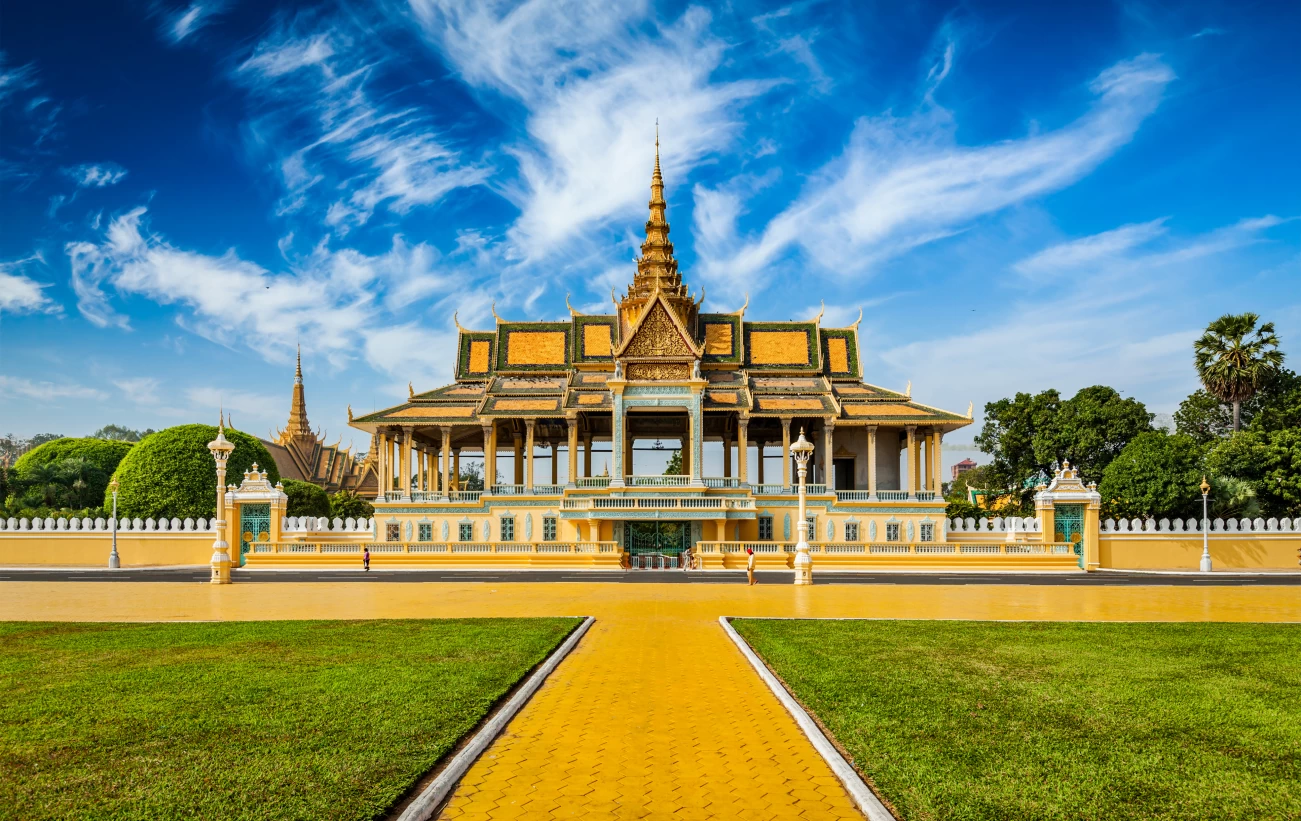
[{"x": 1019, "y": 196}]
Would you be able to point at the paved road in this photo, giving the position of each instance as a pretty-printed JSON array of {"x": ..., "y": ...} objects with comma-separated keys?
[{"x": 200, "y": 574}]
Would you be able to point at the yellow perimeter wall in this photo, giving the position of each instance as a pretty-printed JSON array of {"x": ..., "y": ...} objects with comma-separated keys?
[
  {"x": 68, "y": 549},
  {"x": 1177, "y": 551},
  {"x": 1120, "y": 551}
]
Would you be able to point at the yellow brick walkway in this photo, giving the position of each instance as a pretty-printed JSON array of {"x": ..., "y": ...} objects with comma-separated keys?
[{"x": 655, "y": 715}]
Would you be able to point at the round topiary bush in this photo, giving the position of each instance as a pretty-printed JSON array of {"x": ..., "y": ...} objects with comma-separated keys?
[
  {"x": 101, "y": 456},
  {"x": 171, "y": 473},
  {"x": 305, "y": 499}
]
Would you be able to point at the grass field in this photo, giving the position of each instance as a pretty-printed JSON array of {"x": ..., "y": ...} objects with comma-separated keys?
[
  {"x": 267, "y": 720},
  {"x": 985, "y": 720}
]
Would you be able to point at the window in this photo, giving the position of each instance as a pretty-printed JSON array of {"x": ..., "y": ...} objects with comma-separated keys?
[
  {"x": 507, "y": 529},
  {"x": 392, "y": 533},
  {"x": 426, "y": 533},
  {"x": 465, "y": 532},
  {"x": 765, "y": 528},
  {"x": 548, "y": 528},
  {"x": 928, "y": 533},
  {"x": 892, "y": 532},
  {"x": 851, "y": 531},
  {"x": 812, "y": 531}
]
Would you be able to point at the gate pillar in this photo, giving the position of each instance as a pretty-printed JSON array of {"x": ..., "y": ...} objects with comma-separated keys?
[{"x": 1069, "y": 511}]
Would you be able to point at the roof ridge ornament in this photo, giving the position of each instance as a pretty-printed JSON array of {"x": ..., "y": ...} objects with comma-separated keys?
[
  {"x": 457, "y": 323},
  {"x": 908, "y": 391},
  {"x": 856, "y": 321},
  {"x": 494, "y": 312},
  {"x": 818, "y": 318},
  {"x": 573, "y": 312}
]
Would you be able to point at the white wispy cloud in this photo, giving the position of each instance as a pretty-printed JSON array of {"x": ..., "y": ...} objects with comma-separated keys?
[
  {"x": 143, "y": 390},
  {"x": 905, "y": 182},
  {"x": 593, "y": 77},
  {"x": 96, "y": 175},
  {"x": 183, "y": 22},
  {"x": 19, "y": 293},
  {"x": 1128, "y": 248},
  {"x": 19, "y": 387},
  {"x": 330, "y": 132}
]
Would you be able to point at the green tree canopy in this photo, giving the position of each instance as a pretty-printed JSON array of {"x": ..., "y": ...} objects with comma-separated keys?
[
  {"x": 305, "y": 499},
  {"x": 120, "y": 433},
  {"x": 1156, "y": 475},
  {"x": 68, "y": 471},
  {"x": 1207, "y": 419},
  {"x": 171, "y": 473},
  {"x": 1027, "y": 433},
  {"x": 674, "y": 467},
  {"x": 1270, "y": 461},
  {"x": 1235, "y": 358},
  {"x": 345, "y": 504},
  {"x": 106, "y": 455}
]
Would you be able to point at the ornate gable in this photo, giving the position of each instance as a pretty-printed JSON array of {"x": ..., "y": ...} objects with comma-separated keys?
[{"x": 658, "y": 334}]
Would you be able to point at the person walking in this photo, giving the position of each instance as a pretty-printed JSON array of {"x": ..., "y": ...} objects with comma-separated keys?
[
  {"x": 365, "y": 559},
  {"x": 749, "y": 564}
]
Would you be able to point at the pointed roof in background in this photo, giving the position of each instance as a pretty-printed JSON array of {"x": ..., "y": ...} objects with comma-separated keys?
[
  {"x": 657, "y": 269},
  {"x": 298, "y": 426}
]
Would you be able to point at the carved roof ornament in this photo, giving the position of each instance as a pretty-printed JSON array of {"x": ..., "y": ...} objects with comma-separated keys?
[
  {"x": 658, "y": 333},
  {"x": 817, "y": 319}
]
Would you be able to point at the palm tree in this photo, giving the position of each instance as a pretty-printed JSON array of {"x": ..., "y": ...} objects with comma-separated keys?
[{"x": 1234, "y": 358}]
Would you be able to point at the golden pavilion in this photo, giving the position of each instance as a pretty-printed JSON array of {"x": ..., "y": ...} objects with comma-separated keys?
[{"x": 658, "y": 367}]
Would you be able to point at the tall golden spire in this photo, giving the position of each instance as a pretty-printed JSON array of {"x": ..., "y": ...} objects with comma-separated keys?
[
  {"x": 298, "y": 426},
  {"x": 657, "y": 269}
]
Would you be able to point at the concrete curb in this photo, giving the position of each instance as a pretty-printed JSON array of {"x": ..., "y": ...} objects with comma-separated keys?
[
  {"x": 429, "y": 801},
  {"x": 862, "y": 794}
]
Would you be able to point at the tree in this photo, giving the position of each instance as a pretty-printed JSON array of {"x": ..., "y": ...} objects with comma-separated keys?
[
  {"x": 1234, "y": 358},
  {"x": 1156, "y": 475},
  {"x": 84, "y": 479},
  {"x": 1231, "y": 497},
  {"x": 346, "y": 504},
  {"x": 1278, "y": 402},
  {"x": 120, "y": 434},
  {"x": 305, "y": 499},
  {"x": 1028, "y": 433},
  {"x": 674, "y": 467},
  {"x": 1270, "y": 461},
  {"x": 171, "y": 473},
  {"x": 100, "y": 454},
  {"x": 471, "y": 478}
]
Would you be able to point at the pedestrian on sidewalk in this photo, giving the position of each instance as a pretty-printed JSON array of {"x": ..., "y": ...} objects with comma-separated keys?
[
  {"x": 749, "y": 564},
  {"x": 365, "y": 559}
]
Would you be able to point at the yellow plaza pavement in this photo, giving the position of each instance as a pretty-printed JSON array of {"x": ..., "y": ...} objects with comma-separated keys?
[{"x": 655, "y": 714}]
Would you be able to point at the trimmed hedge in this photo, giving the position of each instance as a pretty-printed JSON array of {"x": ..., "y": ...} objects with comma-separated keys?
[
  {"x": 305, "y": 499},
  {"x": 104, "y": 454},
  {"x": 171, "y": 473}
]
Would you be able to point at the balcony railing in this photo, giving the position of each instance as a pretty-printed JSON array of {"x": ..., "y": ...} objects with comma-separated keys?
[
  {"x": 465, "y": 495},
  {"x": 594, "y": 481},
  {"x": 658, "y": 503},
  {"x": 892, "y": 495},
  {"x": 926, "y": 495},
  {"x": 417, "y": 548},
  {"x": 768, "y": 490},
  {"x": 657, "y": 481},
  {"x": 525, "y": 490},
  {"x": 891, "y": 548},
  {"x": 853, "y": 495},
  {"x": 725, "y": 482}
]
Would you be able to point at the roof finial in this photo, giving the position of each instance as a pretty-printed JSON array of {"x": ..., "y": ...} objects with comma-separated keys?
[
  {"x": 221, "y": 426},
  {"x": 298, "y": 372}
]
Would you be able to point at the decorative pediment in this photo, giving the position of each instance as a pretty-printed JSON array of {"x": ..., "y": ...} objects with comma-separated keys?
[{"x": 658, "y": 333}]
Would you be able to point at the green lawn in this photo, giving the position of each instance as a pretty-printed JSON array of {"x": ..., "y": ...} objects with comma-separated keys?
[
  {"x": 995, "y": 720},
  {"x": 276, "y": 720}
]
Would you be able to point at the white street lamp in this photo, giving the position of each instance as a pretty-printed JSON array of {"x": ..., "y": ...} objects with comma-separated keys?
[
  {"x": 114, "y": 561},
  {"x": 221, "y": 448},
  {"x": 801, "y": 450},
  {"x": 1206, "y": 543}
]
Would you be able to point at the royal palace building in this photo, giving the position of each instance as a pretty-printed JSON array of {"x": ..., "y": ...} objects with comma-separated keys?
[{"x": 656, "y": 368}]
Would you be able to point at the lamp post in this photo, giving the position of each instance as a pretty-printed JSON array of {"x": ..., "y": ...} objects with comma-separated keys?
[
  {"x": 801, "y": 450},
  {"x": 114, "y": 561},
  {"x": 221, "y": 449},
  {"x": 1206, "y": 542}
]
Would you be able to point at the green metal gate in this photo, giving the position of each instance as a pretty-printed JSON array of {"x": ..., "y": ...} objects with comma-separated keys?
[
  {"x": 656, "y": 545},
  {"x": 254, "y": 526},
  {"x": 1068, "y": 526}
]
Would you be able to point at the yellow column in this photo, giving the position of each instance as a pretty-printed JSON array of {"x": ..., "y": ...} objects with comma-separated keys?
[
  {"x": 758, "y": 455},
  {"x": 406, "y": 462},
  {"x": 445, "y": 454},
  {"x": 587, "y": 455},
  {"x": 571, "y": 458},
  {"x": 786, "y": 454},
  {"x": 418, "y": 466},
  {"x": 489, "y": 456},
  {"x": 456, "y": 468},
  {"x": 742, "y": 449},
  {"x": 555, "y": 477},
  {"x": 519, "y": 461},
  {"x": 727, "y": 454},
  {"x": 912, "y": 460},
  {"x": 871, "y": 461},
  {"x": 377, "y": 442},
  {"x": 929, "y": 460},
  {"x": 938, "y": 438},
  {"x": 828, "y": 463},
  {"x": 528, "y": 455}
]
